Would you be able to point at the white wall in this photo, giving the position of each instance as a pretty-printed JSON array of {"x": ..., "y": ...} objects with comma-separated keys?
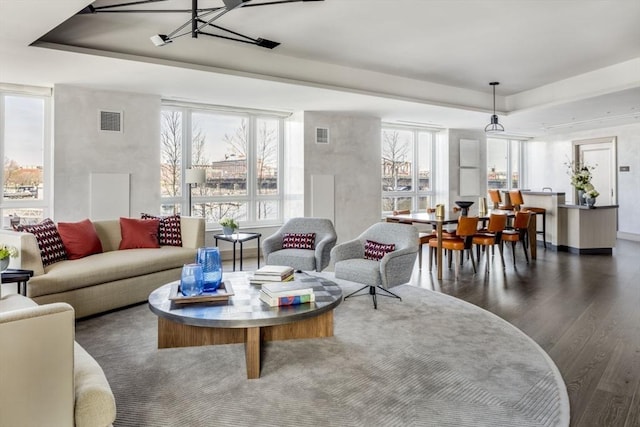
[
  {"x": 545, "y": 168},
  {"x": 81, "y": 149},
  {"x": 454, "y": 137},
  {"x": 353, "y": 158}
]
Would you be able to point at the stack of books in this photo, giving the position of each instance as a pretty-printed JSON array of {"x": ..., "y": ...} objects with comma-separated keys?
[
  {"x": 278, "y": 294},
  {"x": 272, "y": 273}
]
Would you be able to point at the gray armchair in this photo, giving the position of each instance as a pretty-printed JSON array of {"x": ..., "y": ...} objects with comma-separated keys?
[
  {"x": 394, "y": 268},
  {"x": 302, "y": 259}
]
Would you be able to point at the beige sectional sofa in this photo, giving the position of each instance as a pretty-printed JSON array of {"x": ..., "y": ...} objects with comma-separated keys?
[
  {"x": 46, "y": 378},
  {"x": 112, "y": 279}
]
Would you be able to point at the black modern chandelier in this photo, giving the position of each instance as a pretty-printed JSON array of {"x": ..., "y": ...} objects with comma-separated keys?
[
  {"x": 494, "y": 126},
  {"x": 200, "y": 22}
]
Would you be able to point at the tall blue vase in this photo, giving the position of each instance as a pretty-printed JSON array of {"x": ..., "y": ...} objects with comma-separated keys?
[{"x": 209, "y": 259}]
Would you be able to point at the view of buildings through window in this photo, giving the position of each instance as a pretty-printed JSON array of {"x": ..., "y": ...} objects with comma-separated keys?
[
  {"x": 503, "y": 163},
  {"x": 23, "y": 147},
  {"x": 407, "y": 168},
  {"x": 240, "y": 154}
]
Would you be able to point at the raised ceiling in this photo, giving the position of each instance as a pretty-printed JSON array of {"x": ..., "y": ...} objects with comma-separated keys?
[{"x": 562, "y": 64}]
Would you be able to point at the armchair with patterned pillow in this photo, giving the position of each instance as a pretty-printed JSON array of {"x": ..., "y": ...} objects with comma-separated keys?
[
  {"x": 381, "y": 257},
  {"x": 303, "y": 244}
]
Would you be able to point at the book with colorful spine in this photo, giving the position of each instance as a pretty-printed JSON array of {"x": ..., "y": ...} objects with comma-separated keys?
[{"x": 278, "y": 301}]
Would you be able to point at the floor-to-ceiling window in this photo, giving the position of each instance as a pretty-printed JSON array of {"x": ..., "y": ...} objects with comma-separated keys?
[
  {"x": 407, "y": 168},
  {"x": 241, "y": 154},
  {"x": 504, "y": 163},
  {"x": 25, "y": 149}
]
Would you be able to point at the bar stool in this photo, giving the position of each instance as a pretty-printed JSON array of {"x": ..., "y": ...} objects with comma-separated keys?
[
  {"x": 517, "y": 200},
  {"x": 496, "y": 199}
]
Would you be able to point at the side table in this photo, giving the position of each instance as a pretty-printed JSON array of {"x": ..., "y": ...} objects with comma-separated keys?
[
  {"x": 18, "y": 276},
  {"x": 239, "y": 238}
]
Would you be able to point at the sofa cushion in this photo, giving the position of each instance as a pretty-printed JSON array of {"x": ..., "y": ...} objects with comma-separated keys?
[
  {"x": 139, "y": 233},
  {"x": 80, "y": 238},
  {"x": 375, "y": 251},
  {"x": 51, "y": 247},
  {"x": 108, "y": 267},
  {"x": 298, "y": 240},
  {"x": 169, "y": 231}
]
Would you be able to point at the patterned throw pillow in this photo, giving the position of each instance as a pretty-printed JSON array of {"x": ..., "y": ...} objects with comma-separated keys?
[
  {"x": 49, "y": 241},
  {"x": 169, "y": 232},
  {"x": 375, "y": 251},
  {"x": 299, "y": 241}
]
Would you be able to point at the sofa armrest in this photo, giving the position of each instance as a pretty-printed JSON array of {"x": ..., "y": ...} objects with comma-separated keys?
[
  {"x": 192, "y": 230},
  {"x": 347, "y": 250},
  {"x": 95, "y": 405},
  {"x": 36, "y": 364},
  {"x": 29, "y": 257},
  {"x": 272, "y": 243}
]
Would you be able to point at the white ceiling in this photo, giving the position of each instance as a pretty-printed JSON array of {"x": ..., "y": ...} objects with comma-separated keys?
[{"x": 563, "y": 64}]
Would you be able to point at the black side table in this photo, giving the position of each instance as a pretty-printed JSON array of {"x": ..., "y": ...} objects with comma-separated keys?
[
  {"x": 239, "y": 238},
  {"x": 18, "y": 276}
]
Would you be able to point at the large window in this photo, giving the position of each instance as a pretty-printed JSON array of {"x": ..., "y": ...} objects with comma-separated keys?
[
  {"x": 241, "y": 156},
  {"x": 504, "y": 163},
  {"x": 24, "y": 145},
  {"x": 407, "y": 168}
]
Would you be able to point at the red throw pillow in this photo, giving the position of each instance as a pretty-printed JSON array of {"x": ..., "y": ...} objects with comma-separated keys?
[
  {"x": 169, "y": 232},
  {"x": 375, "y": 251},
  {"x": 298, "y": 241},
  {"x": 49, "y": 241},
  {"x": 80, "y": 238},
  {"x": 139, "y": 233}
]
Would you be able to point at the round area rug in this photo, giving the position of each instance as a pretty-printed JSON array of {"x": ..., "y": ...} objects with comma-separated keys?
[{"x": 428, "y": 360}]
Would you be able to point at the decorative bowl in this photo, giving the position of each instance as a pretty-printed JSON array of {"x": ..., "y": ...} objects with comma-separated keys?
[{"x": 464, "y": 205}]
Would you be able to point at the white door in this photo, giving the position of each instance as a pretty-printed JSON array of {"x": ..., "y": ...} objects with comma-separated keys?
[{"x": 601, "y": 154}]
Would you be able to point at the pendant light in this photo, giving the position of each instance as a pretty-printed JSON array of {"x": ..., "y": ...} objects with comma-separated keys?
[{"x": 494, "y": 126}]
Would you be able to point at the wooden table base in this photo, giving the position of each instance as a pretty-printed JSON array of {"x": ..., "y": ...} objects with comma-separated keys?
[{"x": 173, "y": 334}]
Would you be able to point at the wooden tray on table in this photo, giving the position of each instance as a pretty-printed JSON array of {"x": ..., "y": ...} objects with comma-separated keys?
[{"x": 222, "y": 294}]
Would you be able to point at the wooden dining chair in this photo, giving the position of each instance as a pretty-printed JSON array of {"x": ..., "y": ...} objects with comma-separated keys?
[
  {"x": 467, "y": 227},
  {"x": 517, "y": 195},
  {"x": 518, "y": 234},
  {"x": 491, "y": 238}
]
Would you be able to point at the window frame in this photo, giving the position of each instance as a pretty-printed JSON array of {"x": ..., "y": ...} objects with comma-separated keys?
[
  {"x": 509, "y": 159},
  {"x": 45, "y": 204},
  {"x": 252, "y": 197},
  {"x": 415, "y": 194}
]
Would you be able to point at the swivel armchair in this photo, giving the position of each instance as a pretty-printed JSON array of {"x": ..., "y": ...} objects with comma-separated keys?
[
  {"x": 303, "y": 244},
  {"x": 383, "y": 256}
]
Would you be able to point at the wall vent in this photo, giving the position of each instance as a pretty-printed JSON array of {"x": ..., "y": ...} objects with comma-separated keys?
[
  {"x": 110, "y": 121},
  {"x": 322, "y": 135}
]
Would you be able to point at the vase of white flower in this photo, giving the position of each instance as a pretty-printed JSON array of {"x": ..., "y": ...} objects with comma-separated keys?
[
  {"x": 6, "y": 252},
  {"x": 580, "y": 174}
]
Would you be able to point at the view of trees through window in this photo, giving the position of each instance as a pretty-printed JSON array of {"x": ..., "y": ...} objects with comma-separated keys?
[
  {"x": 407, "y": 165},
  {"x": 240, "y": 156},
  {"x": 23, "y": 149}
]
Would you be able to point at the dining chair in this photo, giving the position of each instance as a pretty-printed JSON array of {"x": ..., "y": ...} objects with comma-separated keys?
[
  {"x": 467, "y": 227},
  {"x": 517, "y": 195},
  {"x": 492, "y": 237},
  {"x": 519, "y": 233},
  {"x": 496, "y": 199}
]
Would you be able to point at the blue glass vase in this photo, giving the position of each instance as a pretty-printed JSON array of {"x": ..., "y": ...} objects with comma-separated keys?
[
  {"x": 209, "y": 259},
  {"x": 191, "y": 280}
]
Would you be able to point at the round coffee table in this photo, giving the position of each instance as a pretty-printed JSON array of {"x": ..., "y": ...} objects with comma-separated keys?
[{"x": 244, "y": 318}]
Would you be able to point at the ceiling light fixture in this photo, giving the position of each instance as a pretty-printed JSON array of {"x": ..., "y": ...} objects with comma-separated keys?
[
  {"x": 200, "y": 19},
  {"x": 494, "y": 126}
]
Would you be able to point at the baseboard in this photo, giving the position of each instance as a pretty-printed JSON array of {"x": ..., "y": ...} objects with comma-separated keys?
[
  {"x": 587, "y": 251},
  {"x": 628, "y": 236}
]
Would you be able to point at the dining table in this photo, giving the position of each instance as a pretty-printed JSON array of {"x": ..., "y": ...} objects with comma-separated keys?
[{"x": 451, "y": 217}]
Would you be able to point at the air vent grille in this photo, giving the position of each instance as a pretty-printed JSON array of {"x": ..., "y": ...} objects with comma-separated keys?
[
  {"x": 322, "y": 135},
  {"x": 110, "y": 121}
]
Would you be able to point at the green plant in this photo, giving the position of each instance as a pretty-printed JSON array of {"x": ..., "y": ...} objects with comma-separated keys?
[
  {"x": 229, "y": 222},
  {"x": 7, "y": 251}
]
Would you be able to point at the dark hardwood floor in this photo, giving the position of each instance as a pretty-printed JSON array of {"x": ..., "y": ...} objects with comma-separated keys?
[{"x": 583, "y": 310}]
